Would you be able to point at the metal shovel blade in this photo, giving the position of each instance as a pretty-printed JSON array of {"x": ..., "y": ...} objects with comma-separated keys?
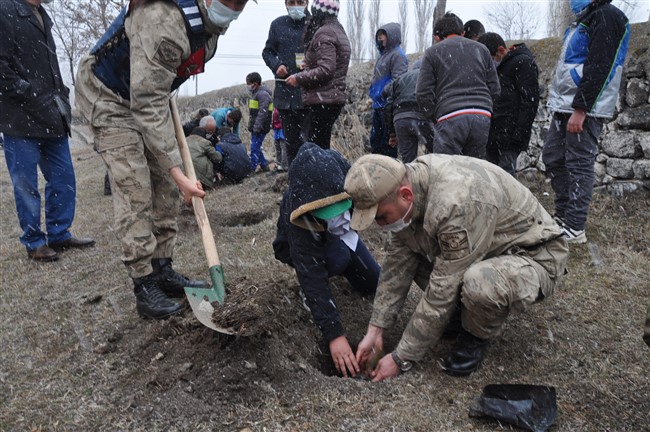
[{"x": 201, "y": 299}]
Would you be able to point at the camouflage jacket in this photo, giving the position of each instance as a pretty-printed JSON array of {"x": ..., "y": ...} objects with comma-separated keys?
[
  {"x": 159, "y": 45},
  {"x": 466, "y": 210}
]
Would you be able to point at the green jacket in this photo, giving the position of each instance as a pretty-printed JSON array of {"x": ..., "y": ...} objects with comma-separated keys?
[{"x": 204, "y": 157}]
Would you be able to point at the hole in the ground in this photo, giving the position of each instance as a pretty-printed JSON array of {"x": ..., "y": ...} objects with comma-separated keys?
[
  {"x": 324, "y": 363},
  {"x": 243, "y": 219}
]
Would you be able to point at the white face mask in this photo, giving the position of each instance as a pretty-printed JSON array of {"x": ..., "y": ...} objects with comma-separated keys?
[
  {"x": 399, "y": 224},
  {"x": 339, "y": 225},
  {"x": 296, "y": 12},
  {"x": 221, "y": 15}
]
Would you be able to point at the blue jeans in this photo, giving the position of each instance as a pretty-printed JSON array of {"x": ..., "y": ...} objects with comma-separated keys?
[
  {"x": 379, "y": 135},
  {"x": 52, "y": 155},
  {"x": 257, "y": 157},
  {"x": 569, "y": 160}
]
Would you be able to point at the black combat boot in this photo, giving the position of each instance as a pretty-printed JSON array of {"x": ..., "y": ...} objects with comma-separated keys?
[
  {"x": 150, "y": 301},
  {"x": 171, "y": 282},
  {"x": 466, "y": 356}
]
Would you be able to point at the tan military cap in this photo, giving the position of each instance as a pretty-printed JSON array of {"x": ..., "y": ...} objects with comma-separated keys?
[{"x": 370, "y": 180}]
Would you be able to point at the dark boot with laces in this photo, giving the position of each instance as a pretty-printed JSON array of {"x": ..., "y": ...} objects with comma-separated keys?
[
  {"x": 171, "y": 282},
  {"x": 150, "y": 301},
  {"x": 466, "y": 356}
]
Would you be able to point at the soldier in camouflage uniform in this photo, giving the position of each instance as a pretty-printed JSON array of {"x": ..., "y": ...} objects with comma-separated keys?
[
  {"x": 461, "y": 229},
  {"x": 123, "y": 87}
]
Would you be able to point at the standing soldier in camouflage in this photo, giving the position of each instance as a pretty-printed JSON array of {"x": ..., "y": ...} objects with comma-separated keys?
[
  {"x": 462, "y": 229},
  {"x": 123, "y": 87}
]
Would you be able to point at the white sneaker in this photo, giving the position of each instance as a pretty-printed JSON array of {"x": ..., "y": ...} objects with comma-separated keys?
[{"x": 574, "y": 236}]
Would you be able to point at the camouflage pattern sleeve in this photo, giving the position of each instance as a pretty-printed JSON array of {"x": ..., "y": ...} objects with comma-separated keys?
[
  {"x": 464, "y": 235},
  {"x": 159, "y": 43},
  {"x": 397, "y": 273}
]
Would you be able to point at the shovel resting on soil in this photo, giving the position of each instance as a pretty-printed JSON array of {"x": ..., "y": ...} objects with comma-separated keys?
[{"x": 201, "y": 299}]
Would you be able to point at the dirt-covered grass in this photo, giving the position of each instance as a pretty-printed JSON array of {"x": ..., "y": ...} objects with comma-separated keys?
[{"x": 75, "y": 355}]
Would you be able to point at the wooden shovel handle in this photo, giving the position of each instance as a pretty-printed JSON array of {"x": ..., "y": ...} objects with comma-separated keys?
[{"x": 197, "y": 203}]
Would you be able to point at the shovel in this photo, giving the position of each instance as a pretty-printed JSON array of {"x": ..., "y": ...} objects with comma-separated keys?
[{"x": 201, "y": 299}]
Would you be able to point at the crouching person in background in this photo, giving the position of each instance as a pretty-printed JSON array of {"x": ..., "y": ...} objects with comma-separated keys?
[
  {"x": 314, "y": 237},
  {"x": 235, "y": 165}
]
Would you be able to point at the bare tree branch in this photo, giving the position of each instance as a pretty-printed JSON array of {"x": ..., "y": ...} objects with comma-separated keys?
[
  {"x": 423, "y": 16},
  {"x": 356, "y": 14},
  {"x": 516, "y": 20},
  {"x": 373, "y": 15},
  {"x": 403, "y": 22}
]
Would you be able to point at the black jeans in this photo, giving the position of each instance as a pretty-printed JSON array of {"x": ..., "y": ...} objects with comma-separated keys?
[
  {"x": 319, "y": 124},
  {"x": 293, "y": 122}
]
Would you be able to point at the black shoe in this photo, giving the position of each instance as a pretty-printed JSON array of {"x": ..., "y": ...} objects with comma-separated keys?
[
  {"x": 150, "y": 301},
  {"x": 466, "y": 356},
  {"x": 72, "y": 242},
  {"x": 170, "y": 282}
]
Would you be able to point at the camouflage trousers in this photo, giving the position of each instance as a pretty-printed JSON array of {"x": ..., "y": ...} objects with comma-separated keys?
[
  {"x": 145, "y": 199},
  {"x": 513, "y": 282}
]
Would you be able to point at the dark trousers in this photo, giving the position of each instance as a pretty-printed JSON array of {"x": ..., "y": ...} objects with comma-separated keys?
[
  {"x": 358, "y": 267},
  {"x": 292, "y": 124},
  {"x": 504, "y": 158},
  {"x": 412, "y": 132},
  {"x": 379, "y": 135},
  {"x": 466, "y": 135},
  {"x": 569, "y": 160},
  {"x": 319, "y": 123}
]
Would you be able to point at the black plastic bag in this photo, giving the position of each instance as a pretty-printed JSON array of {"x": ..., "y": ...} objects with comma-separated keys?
[{"x": 530, "y": 407}]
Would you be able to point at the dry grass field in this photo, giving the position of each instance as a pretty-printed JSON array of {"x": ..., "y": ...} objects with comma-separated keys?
[{"x": 75, "y": 355}]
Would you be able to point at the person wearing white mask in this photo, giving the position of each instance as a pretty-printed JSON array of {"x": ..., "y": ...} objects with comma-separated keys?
[
  {"x": 461, "y": 228},
  {"x": 314, "y": 237},
  {"x": 123, "y": 89},
  {"x": 283, "y": 54}
]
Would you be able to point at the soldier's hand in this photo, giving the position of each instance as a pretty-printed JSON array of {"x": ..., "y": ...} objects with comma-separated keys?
[
  {"x": 385, "y": 369},
  {"x": 187, "y": 187},
  {"x": 343, "y": 356}
]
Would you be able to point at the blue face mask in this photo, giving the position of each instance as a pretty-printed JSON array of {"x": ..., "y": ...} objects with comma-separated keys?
[
  {"x": 578, "y": 6},
  {"x": 296, "y": 12},
  {"x": 221, "y": 15}
]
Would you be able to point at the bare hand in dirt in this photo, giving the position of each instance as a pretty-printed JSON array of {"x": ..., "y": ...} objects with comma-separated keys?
[
  {"x": 343, "y": 357},
  {"x": 576, "y": 121},
  {"x": 282, "y": 71},
  {"x": 385, "y": 369},
  {"x": 372, "y": 343},
  {"x": 291, "y": 81},
  {"x": 187, "y": 187}
]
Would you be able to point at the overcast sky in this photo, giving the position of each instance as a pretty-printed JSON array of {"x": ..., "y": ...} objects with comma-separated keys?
[{"x": 240, "y": 49}]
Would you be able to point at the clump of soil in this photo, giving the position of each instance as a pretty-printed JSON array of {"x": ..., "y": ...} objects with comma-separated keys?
[{"x": 249, "y": 308}]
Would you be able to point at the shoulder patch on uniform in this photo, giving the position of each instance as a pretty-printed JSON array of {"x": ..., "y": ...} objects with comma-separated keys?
[
  {"x": 454, "y": 245},
  {"x": 168, "y": 54}
]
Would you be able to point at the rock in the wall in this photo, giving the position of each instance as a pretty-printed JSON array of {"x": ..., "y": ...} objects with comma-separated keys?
[
  {"x": 621, "y": 168},
  {"x": 637, "y": 92},
  {"x": 621, "y": 145},
  {"x": 635, "y": 118}
]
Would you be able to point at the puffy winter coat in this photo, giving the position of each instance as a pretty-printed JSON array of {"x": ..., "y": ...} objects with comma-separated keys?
[
  {"x": 33, "y": 99},
  {"x": 326, "y": 65}
]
